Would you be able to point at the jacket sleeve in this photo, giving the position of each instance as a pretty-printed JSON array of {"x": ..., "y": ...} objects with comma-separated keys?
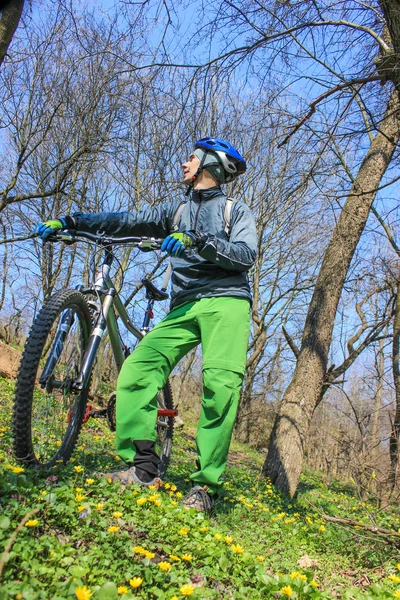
[
  {"x": 240, "y": 251},
  {"x": 151, "y": 222}
]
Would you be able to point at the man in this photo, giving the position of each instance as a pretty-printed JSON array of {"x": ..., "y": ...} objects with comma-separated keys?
[{"x": 210, "y": 304}]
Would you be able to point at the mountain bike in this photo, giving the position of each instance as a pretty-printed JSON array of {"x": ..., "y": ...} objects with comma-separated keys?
[{"x": 54, "y": 378}]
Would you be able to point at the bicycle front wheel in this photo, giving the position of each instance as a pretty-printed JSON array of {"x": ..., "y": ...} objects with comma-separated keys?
[{"x": 48, "y": 414}]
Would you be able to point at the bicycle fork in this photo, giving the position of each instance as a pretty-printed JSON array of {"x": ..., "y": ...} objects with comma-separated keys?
[{"x": 46, "y": 377}]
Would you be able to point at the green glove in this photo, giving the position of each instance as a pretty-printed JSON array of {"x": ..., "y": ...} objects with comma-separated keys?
[
  {"x": 44, "y": 230},
  {"x": 176, "y": 243}
]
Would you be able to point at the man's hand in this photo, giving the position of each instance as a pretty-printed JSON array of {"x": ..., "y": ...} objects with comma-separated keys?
[
  {"x": 44, "y": 230},
  {"x": 176, "y": 243}
]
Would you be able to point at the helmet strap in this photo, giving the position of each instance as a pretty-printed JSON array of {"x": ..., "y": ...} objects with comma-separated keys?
[{"x": 195, "y": 176}]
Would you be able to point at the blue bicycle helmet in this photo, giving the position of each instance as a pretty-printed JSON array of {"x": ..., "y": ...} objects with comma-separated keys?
[{"x": 220, "y": 153}]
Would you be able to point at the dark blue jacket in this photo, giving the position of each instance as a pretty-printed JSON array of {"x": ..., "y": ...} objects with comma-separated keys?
[{"x": 219, "y": 268}]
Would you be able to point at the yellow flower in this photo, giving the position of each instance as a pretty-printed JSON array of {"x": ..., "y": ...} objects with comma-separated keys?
[
  {"x": 153, "y": 497},
  {"x": 260, "y": 558},
  {"x": 164, "y": 566},
  {"x": 167, "y": 486},
  {"x": 99, "y": 506},
  {"x": 173, "y": 557},
  {"x": 184, "y": 531},
  {"x": 113, "y": 529},
  {"x": 79, "y": 497},
  {"x": 294, "y": 575},
  {"x": 81, "y": 508},
  {"x": 122, "y": 589},
  {"x": 173, "y": 488},
  {"x": 396, "y": 594},
  {"x": 314, "y": 583},
  {"x": 187, "y": 557},
  {"x": 218, "y": 536},
  {"x": 398, "y": 566},
  {"x": 174, "y": 598},
  {"x": 89, "y": 482},
  {"x": 79, "y": 469},
  {"x": 17, "y": 470},
  {"x": 135, "y": 582},
  {"x": 322, "y": 528},
  {"x": 157, "y": 502},
  {"x": 203, "y": 529},
  {"x": 79, "y": 490},
  {"x": 117, "y": 515},
  {"x": 31, "y": 523},
  {"x": 228, "y": 539},
  {"x": 287, "y": 590},
  {"x": 179, "y": 494},
  {"x": 237, "y": 549},
  {"x": 83, "y": 593},
  {"x": 148, "y": 554},
  {"x": 186, "y": 590},
  {"x": 174, "y": 502},
  {"x": 141, "y": 501},
  {"x": 303, "y": 577},
  {"x": 138, "y": 550},
  {"x": 394, "y": 578}
]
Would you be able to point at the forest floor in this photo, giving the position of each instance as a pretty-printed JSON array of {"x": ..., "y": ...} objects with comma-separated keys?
[{"x": 72, "y": 534}]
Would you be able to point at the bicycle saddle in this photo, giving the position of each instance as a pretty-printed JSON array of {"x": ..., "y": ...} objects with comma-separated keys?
[{"x": 153, "y": 293}]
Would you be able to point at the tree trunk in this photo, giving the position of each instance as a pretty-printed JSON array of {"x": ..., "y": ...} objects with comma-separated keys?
[
  {"x": 374, "y": 441},
  {"x": 395, "y": 433},
  {"x": 10, "y": 15},
  {"x": 289, "y": 436}
]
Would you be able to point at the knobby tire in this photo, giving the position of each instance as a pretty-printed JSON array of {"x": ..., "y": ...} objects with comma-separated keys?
[{"x": 28, "y": 394}]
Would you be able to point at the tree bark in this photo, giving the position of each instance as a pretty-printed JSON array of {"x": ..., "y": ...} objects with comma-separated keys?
[
  {"x": 374, "y": 442},
  {"x": 10, "y": 15},
  {"x": 395, "y": 433},
  {"x": 289, "y": 436}
]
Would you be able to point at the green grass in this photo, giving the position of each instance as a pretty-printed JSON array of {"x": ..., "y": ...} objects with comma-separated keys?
[{"x": 257, "y": 545}]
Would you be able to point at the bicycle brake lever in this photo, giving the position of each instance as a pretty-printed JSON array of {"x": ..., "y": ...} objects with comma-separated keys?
[
  {"x": 150, "y": 243},
  {"x": 67, "y": 238}
]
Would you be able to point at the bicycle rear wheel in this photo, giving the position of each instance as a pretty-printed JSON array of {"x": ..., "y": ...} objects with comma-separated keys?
[
  {"x": 48, "y": 414},
  {"x": 164, "y": 425}
]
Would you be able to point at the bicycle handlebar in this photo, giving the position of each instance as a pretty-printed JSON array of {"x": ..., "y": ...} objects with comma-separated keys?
[{"x": 70, "y": 236}]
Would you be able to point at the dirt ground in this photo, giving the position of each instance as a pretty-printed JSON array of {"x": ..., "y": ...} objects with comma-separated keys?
[{"x": 9, "y": 361}]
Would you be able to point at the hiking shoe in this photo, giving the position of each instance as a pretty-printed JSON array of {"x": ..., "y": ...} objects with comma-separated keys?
[
  {"x": 131, "y": 476},
  {"x": 199, "y": 499}
]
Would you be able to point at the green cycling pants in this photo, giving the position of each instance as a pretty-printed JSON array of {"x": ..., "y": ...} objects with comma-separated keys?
[{"x": 222, "y": 326}]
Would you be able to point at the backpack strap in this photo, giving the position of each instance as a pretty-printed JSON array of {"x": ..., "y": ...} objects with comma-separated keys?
[
  {"x": 227, "y": 215},
  {"x": 177, "y": 216}
]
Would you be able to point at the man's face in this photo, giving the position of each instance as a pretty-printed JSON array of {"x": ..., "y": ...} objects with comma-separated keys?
[{"x": 190, "y": 168}]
